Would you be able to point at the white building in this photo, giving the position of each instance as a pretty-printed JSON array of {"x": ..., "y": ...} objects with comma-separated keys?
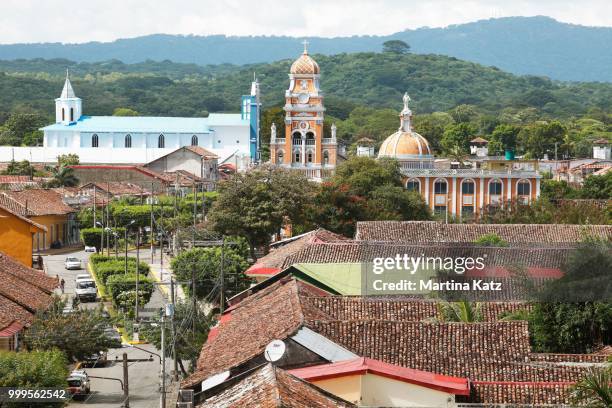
[{"x": 140, "y": 139}]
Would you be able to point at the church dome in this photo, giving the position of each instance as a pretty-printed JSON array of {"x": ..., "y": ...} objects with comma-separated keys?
[
  {"x": 405, "y": 143},
  {"x": 304, "y": 65}
]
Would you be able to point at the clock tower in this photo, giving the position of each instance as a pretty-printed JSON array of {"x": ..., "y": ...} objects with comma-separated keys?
[{"x": 305, "y": 146}]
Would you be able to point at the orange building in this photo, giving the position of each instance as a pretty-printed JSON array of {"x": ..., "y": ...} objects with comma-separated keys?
[
  {"x": 305, "y": 147},
  {"x": 461, "y": 192},
  {"x": 17, "y": 231}
]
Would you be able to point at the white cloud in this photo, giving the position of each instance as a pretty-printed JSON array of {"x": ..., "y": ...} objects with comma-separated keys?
[{"x": 106, "y": 20}]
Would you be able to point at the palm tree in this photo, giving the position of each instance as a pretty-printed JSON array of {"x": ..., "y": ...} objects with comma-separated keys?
[
  {"x": 461, "y": 311},
  {"x": 457, "y": 154},
  {"x": 595, "y": 389},
  {"x": 63, "y": 177}
]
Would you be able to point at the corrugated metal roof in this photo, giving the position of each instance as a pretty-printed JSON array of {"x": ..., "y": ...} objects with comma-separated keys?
[{"x": 146, "y": 124}]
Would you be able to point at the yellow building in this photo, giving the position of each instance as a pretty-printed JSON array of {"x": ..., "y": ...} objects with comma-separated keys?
[
  {"x": 46, "y": 207},
  {"x": 17, "y": 232},
  {"x": 305, "y": 147},
  {"x": 372, "y": 383},
  {"x": 458, "y": 192}
]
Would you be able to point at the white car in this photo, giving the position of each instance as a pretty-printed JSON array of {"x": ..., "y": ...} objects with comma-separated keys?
[
  {"x": 91, "y": 249},
  {"x": 85, "y": 289},
  {"x": 72, "y": 263}
]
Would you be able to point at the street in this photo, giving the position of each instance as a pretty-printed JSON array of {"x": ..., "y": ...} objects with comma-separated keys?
[{"x": 144, "y": 377}]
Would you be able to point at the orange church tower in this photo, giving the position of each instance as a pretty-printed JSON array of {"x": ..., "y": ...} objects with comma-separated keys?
[{"x": 305, "y": 147}]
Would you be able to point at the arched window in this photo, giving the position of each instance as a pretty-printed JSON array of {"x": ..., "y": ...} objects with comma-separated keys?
[
  {"x": 523, "y": 188},
  {"x": 297, "y": 138},
  {"x": 63, "y": 114},
  {"x": 72, "y": 114},
  {"x": 325, "y": 157},
  {"x": 310, "y": 135},
  {"x": 467, "y": 187},
  {"x": 194, "y": 140},
  {"x": 309, "y": 156},
  {"x": 440, "y": 187},
  {"x": 128, "y": 141},
  {"x": 413, "y": 185},
  {"x": 495, "y": 187},
  {"x": 280, "y": 157},
  {"x": 161, "y": 142},
  {"x": 94, "y": 140}
]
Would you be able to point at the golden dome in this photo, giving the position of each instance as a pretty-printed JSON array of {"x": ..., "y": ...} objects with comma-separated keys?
[
  {"x": 404, "y": 144},
  {"x": 304, "y": 65}
]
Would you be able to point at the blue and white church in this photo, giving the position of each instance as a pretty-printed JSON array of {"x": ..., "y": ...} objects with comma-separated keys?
[{"x": 234, "y": 137}]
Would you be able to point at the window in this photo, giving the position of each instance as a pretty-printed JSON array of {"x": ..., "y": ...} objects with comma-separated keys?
[
  {"x": 325, "y": 157},
  {"x": 194, "y": 140},
  {"x": 467, "y": 211},
  {"x": 161, "y": 142},
  {"x": 297, "y": 157},
  {"x": 297, "y": 138},
  {"x": 72, "y": 114},
  {"x": 440, "y": 187},
  {"x": 439, "y": 209},
  {"x": 495, "y": 187},
  {"x": 94, "y": 140},
  {"x": 413, "y": 185},
  {"x": 280, "y": 157},
  {"x": 63, "y": 114},
  {"x": 310, "y": 135},
  {"x": 523, "y": 188},
  {"x": 128, "y": 141},
  {"x": 467, "y": 187},
  {"x": 309, "y": 156}
]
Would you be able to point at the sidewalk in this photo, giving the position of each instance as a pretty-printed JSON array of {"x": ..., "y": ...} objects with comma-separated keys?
[{"x": 161, "y": 276}]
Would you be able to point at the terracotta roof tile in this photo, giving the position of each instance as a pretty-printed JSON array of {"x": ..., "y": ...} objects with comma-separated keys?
[
  {"x": 18, "y": 210},
  {"x": 425, "y": 232},
  {"x": 272, "y": 387},
  {"x": 41, "y": 201},
  {"x": 24, "y": 286},
  {"x": 14, "y": 311}
]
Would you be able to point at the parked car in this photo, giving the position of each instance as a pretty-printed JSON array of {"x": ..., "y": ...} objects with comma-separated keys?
[
  {"x": 91, "y": 249},
  {"x": 96, "y": 360},
  {"x": 78, "y": 383},
  {"x": 85, "y": 289},
  {"x": 72, "y": 263}
]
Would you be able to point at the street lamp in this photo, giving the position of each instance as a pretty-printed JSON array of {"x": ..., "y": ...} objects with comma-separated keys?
[
  {"x": 99, "y": 224},
  {"x": 127, "y": 227}
]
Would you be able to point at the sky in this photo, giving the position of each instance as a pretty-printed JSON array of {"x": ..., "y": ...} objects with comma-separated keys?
[{"x": 73, "y": 21}]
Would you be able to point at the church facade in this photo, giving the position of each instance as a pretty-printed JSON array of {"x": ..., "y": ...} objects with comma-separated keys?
[
  {"x": 305, "y": 147},
  {"x": 458, "y": 192},
  {"x": 139, "y": 139}
]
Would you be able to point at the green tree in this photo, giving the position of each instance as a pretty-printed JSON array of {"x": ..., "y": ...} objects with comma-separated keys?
[
  {"x": 22, "y": 128},
  {"x": 461, "y": 311},
  {"x": 597, "y": 187},
  {"x": 396, "y": 47},
  {"x": 595, "y": 389},
  {"x": 125, "y": 112},
  {"x": 79, "y": 334},
  {"x": 62, "y": 176},
  {"x": 557, "y": 190},
  {"x": 503, "y": 138},
  {"x": 70, "y": 159},
  {"x": 491, "y": 240},
  {"x": 22, "y": 168},
  {"x": 206, "y": 263},
  {"x": 257, "y": 203},
  {"x": 464, "y": 113},
  {"x": 35, "y": 369},
  {"x": 540, "y": 138},
  {"x": 458, "y": 137}
]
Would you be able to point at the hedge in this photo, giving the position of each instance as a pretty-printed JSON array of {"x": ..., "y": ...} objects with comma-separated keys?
[
  {"x": 104, "y": 269},
  {"x": 93, "y": 236},
  {"x": 117, "y": 284}
]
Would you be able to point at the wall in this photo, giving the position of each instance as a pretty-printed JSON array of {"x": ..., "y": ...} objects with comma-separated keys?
[
  {"x": 347, "y": 387},
  {"x": 56, "y": 225},
  {"x": 110, "y": 174},
  {"x": 185, "y": 160},
  {"x": 16, "y": 237},
  {"x": 386, "y": 392}
]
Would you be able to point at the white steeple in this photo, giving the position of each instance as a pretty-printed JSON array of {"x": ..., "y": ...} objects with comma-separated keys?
[
  {"x": 406, "y": 115},
  {"x": 68, "y": 108}
]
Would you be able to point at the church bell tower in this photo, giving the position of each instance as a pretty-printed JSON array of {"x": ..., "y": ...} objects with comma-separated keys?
[
  {"x": 305, "y": 147},
  {"x": 68, "y": 108}
]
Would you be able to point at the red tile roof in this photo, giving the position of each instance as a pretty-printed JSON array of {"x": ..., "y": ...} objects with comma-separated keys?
[
  {"x": 30, "y": 275},
  {"x": 11, "y": 206},
  {"x": 202, "y": 152},
  {"x": 14, "y": 311},
  {"x": 10, "y": 329},
  {"x": 117, "y": 188},
  {"x": 362, "y": 365},
  {"x": 41, "y": 201},
  {"x": 271, "y": 387},
  {"x": 427, "y": 232}
]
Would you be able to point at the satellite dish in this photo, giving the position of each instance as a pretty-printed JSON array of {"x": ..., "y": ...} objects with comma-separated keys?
[
  {"x": 275, "y": 350},
  {"x": 215, "y": 380}
]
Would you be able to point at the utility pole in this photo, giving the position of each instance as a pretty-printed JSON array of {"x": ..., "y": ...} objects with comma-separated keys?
[
  {"x": 126, "y": 385},
  {"x": 163, "y": 360},
  {"x": 151, "y": 226},
  {"x": 173, "y": 322},
  {"x": 222, "y": 286},
  {"x": 108, "y": 199},
  {"x": 94, "y": 206},
  {"x": 137, "y": 272},
  {"x": 195, "y": 208}
]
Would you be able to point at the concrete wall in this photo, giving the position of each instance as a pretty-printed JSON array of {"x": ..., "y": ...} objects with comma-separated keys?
[
  {"x": 16, "y": 237},
  {"x": 97, "y": 174},
  {"x": 378, "y": 391},
  {"x": 185, "y": 160}
]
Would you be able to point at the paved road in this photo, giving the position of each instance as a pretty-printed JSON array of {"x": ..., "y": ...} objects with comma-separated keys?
[{"x": 144, "y": 377}]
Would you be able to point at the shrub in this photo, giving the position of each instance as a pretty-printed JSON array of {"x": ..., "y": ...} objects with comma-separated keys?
[
  {"x": 111, "y": 266},
  {"x": 91, "y": 237},
  {"x": 118, "y": 284},
  {"x": 35, "y": 369}
]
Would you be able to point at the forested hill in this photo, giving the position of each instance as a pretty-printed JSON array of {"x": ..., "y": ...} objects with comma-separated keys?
[
  {"x": 435, "y": 83},
  {"x": 521, "y": 45}
]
